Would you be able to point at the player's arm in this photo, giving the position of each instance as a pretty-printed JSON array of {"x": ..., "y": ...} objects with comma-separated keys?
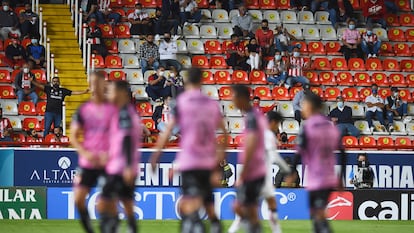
[
  {"x": 221, "y": 147},
  {"x": 162, "y": 141},
  {"x": 271, "y": 150},
  {"x": 80, "y": 92},
  {"x": 76, "y": 132},
  {"x": 36, "y": 84},
  {"x": 251, "y": 141}
]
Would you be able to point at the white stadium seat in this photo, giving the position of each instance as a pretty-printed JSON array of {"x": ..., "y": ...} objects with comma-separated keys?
[
  {"x": 195, "y": 46},
  {"x": 381, "y": 33},
  {"x": 16, "y": 122},
  {"x": 236, "y": 124},
  {"x": 289, "y": 17},
  {"x": 256, "y": 15},
  {"x": 322, "y": 17},
  {"x": 290, "y": 126},
  {"x": 399, "y": 128},
  {"x": 182, "y": 47},
  {"x": 191, "y": 31},
  {"x": 208, "y": 31},
  {"x": 126, "y": 46},
  {"x": 211, "y": 91},
  {"x": 285, "y": 108},
  {"x": 9, "y": 107},
  {"x": 410, "y": 128},
  {"x": 139, "y": 91},
  {"x": 230, "y": 109},
  {"x": 294, "y": 30},
  {"x": 311, "y": 33},
  {"x": 358, "y": 110},
  {"x": 272, "y": 16},
  {"x": 306, "y": 17},
  {"x": 328, "y": 32},
  {"x": 220, "y": 16},
  {"x": 363, "y": 127},
  {"x": 130, "y": 61},
  {"x": 184, "y": 60},
  {"x": 134, "y": 76},
  {"x": 224, "y": 31},
  {"x": 206, "y": 16}
]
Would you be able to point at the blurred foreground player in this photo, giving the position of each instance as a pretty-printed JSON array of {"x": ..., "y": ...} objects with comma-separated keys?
[
  {"x": 122, "y": 165},
  {"x": 198, "y": 117},
  {"x": 91, "y": 122},
  {"x": 252, "y": 157},
  {"x": 272, "y": 156},
  {"x": 317, "y": 142}
]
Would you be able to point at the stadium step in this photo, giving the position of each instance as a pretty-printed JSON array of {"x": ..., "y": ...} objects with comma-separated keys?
[{"x": 68, "y": 57}]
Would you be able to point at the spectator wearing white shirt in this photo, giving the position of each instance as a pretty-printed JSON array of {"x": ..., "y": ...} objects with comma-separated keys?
[
  {"x": 105, "y": 14},
  {"x": 168, "y": 52},
  {"x": 189, "y": 12},
  {"x": 375, "y": 105},
  {"x": 243, "y": 23},
  {"x": 283, "y": 40},
  {"x": 140, "y": 21}
]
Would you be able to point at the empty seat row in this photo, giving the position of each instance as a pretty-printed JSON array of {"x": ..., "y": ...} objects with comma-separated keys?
[
  {"x": 10, "y": 107},
  {"x": 358, "y": 64},
  {"x": 384, "y": 142},
  {"x": 27, "y": 123},
  {"x": 7, "y": 92}
]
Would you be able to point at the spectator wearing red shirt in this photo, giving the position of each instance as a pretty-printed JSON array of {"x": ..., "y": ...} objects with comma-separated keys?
[
  {"x": 15, "y": 54},
  {"x": 264, "y": 110},
  {"x": 264, "y": 37},
  {"x": 5, "y": 128},
  {"x": 375, "y": 11},
  {"x": 370, "y": 43},
  {"x": 236, "y": 55}
]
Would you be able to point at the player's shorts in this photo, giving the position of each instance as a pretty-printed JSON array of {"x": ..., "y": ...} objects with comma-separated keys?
[
  {"x": 268, "y": 189},
  {"x": 115, "y": 187},
  {"x": 249, "y": 192},
  {"x": 89, "y": 177},
  {"x": 196, "y": 183},
  {"x": 318, "y": 199}
]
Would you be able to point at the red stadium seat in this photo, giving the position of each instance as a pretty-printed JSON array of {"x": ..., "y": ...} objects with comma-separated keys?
[
  {"x": 5, "y": 76},
  {"x": 221, "y": 139},
  {"x": 42, "y": 95},
  {"x": 350, "y": 141},
  {"x": 116, "y": 4},
  {"x": 267, "y": 4},
  {"x": 333, "y": 48},
  {"x": 403, "y": 142},
  {"x": 99, "y": 62},
  {"x": 345, "y": 79},
  {"x": 293, "y": 91},
  {"x": 202, "y": 3},
  {"x": 404, "y": 5},
  {"x": 149, "y": 3},
  {"x": 200, "y": 61},
  {"x": 386, "y": 49},
  {"x": 239, "y": 140},
  {"x": 364, "y": 93},
  {"x": 316, "y": 48},
  {"x": 218, "y": 62},
  {"x": 106, "y": 30},
  {"x": 222, "y": 77},
  {"x": 144, "y": 109},
  {"x": 225, "y": 93},
  {"x": 407, "y": 65},
  {"x": 409, "y": 35},
  {"x": 355, "y": 4},
  {"x": 240, "y": 77},
  {"x": 385, "y": 142},
  {"x": 327, "y": 78},
  {"x": 7, "y": 92},
  {"x": 402, "y": 50},
  {"x": 208, "y": 77},
  {"x": 225, "y": 44},
  {"x": 129, "y": 3},
  {"x": 384, "y": 92},
  {"x": 281, "y": 93},
  {"x": 410, "y": 80},
  {"x": 397, "y": 80},
  {"x": 27, "y": 108},
  {"x": 149, "y": 123},
  {"x": 362, "y": 79},
  {"x": 282, "y": 4},
  {"x": 331, "y": 93},
  {"x": 356, "y": 64},
  {"x": 18, "y": 137},
  {"x": 350, "y": 94},
  {"x": 392, "y": 20},
  {"x": 111, "y": 46},
  {"x": 2, "y": 61},
  {"x": 213, "y": 47},
  {"x": 396, "y": 34},
  {"x": 26, "y": 42},
  {"x": 367, "y": 142},
  {"x": 117, "y": 75},
  {"x": 252, "y": 4},
  {"x": 318, "y": 91},
  {"x": 1, "y": 46},
  {"x": 339, "y": 63},
  {"x": 312, "y": 76},
  {"x": 113, "y": 62},
  {"x": 380, "y": 79},
  {"x": 122, "y": 31},
  {"x": 41, "y": 108},
  {"x": 31, "y": 123},
  {"x": 40, "y": 76},
  {"x": 257, "y": 77},
  {"x": 391, "y": 65},
  {"x": 373, "y": 64},
  {"x": 303, "y": 46},
  {"x": 405, "y": 95},
  {"x": 263, "y": 93},
  {"x": 20, "y": 9},
  {"x": 321, "y": 64}
]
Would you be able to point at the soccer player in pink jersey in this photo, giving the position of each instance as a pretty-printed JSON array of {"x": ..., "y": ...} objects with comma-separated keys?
[
  {"x": 122, "y": 165},
  {"x": 252, "y": 157},
  {"x": 317, "y": 142},
  {"x": 198, "y": 117},
  {"x": 91, "y": 122}
]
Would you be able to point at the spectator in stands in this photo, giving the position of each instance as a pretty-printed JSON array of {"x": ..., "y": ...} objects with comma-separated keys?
[
  {"x": 149, "y": 54},
  {"x": 36, "y": 53},
  {"x": 339, "y": 11},
  {"x": 236, "y": 55},
  {"x": 58, "y": 135},
  {"x": 177, "y": 80},
  {"x": 254, "y": 52},
  {"x": 318, "y": 5},
  {"x": 163, "y": 25},
  {"x": 243, "y": 23},
  {"x": 8, "y": 20},
  {"x": 396, "y": 107},
  {"x": 363, "y": 177},
  {"x": 295, "y": 66},
  {"x": 375, "y": 12},
  {"x": 276, "y": 70},
  {"x": 5, "y": 128},
  {"x": 89, "y": 8},
  {"x": 29, "y": 24},
  {"x": 264, "y": 110},
  {"x": 283, "y": 40},
  {"x": 281, "y": 176},
  {"x": 300, "y": 4},
  {"x": 264, "y": 37},
  {"x": 391, "y": 7},
  {"x": 15, "y": 54},
  {"x": 104, "y": 14},
  {"x": 33, "y": 136},
  {"x": 351, "y": 40},
  {"x": 162, "y": 116},
  {"x": 297, "y": 102},
  {"x": 24, "y": 85},
  {"x": 375, "y": 106},
  {"x": 370, "y": 44},
  {"x": 158, "y": 85},
  {"x": 94, "y": 33},
  {"x": 189, "y": 12},
  {"x": 168, "y": 52},
  {"x": 55, "y": 97},
  {"x": 140, "y": 22},
  {"x": 342, "y": 117}
]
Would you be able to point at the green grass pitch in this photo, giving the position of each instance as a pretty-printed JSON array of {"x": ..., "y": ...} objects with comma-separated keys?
[{"x": 170, "y": 226}]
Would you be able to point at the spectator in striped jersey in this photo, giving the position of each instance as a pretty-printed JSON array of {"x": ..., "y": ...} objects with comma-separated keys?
[
  {"x": 370, "y": 44},
  {"x": 295, "y": 66},
  {"x": 105, "y": 14},
  {"x": 94, "y": 33}
]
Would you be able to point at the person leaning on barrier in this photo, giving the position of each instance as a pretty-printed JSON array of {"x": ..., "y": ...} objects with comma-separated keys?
[{"x": 363, "y": 177}]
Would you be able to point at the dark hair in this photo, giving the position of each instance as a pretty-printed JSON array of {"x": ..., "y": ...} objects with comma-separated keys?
[
  {"x": 374, "y": 85},
  {"x": 274, "y": 116},
  {"x": 256, "y": 98},
  {"x": 169, "y": 33},
  {"x": 313, "y": 99},
  {"x": 233, "y": 36},
  {"x": 364, "y": 155},
  {"x": 393, "y": 89},
  {"x": 265, "y": 21},
  {"x": 122, "y": 86},
  {"x": 159, "y": 67},
  {"x": 241, "y": 91},
  {"x": 158, "y": 8},
  {"x": 194, "y": 76},
  {"x": 138, "y": 4}
]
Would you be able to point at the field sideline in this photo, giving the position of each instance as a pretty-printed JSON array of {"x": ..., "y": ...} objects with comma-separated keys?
[{"x": 171, "y": 226}]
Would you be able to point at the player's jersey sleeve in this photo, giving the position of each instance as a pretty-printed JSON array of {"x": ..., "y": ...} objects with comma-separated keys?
[
  {"x": 48, "y": 89},
  {"x": 251, "y": 122},
  {"x": 124, "y": 120},
  {"x": 302, "y": 140},
  {"x": 66, "y": 92}
]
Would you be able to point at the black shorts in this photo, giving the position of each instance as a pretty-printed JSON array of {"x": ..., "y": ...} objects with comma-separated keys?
[
  {"x": 89, "y": 177},
  {"x": 115, "y": 187},
  {"x": 196, "y": 183},
  {"x": 249, "y": 192},
  {"x": 318, "y": 199}
]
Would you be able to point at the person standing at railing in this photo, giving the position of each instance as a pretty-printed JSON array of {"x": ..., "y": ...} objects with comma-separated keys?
[{"x": 55, "y": 97}]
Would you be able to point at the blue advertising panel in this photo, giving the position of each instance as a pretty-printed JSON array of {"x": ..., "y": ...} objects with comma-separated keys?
[
  {"x": 51, "y": 168},
  {"x": 6, "y": 167},
  {"x": 161, "y": 203}
]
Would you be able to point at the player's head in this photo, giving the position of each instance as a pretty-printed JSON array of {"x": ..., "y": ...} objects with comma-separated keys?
[
  {"x": 119, "y": 93},
  {"x": 193, "y": 79},
  {"x": 311, "y": 105},
  {"x": 241, "y": 97},
  {"x": 274, "y": 119},
  {"x": 97, "y": 85}
]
